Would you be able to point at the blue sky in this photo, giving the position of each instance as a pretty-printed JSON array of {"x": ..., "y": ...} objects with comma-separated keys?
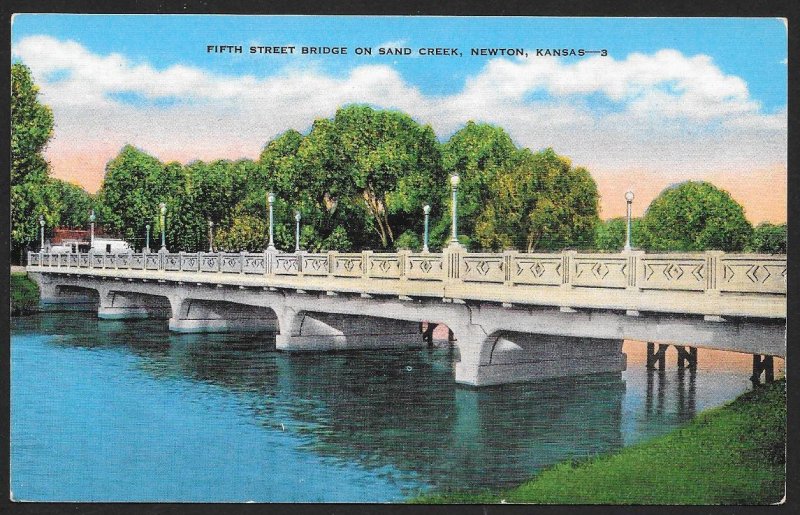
[
  {"x": 752, "y": 48},
  {"x": 675, "y": 99}
]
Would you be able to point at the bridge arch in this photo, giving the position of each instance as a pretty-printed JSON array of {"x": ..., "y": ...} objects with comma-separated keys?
[
  {"x": 127, "y": 304},
  {"x": 197, "y": 315},
  {"x": 306, "y": 330}
]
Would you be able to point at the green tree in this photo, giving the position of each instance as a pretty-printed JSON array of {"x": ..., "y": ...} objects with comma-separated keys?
[
  {"x": 32, "y": 193},
  {"x": 31, "y": 128},
  {"x": 246, "y": 232},
  {"x": 475, "y": 153},
  {"x": 134, "y": 185},
  {"x": 695, "y": 216},
  {"x": 768, "y": 238},
  {"x": 538, "y": 201},
  {"x": 74, "y": 204},
  {"x": 370, "y": 172}
]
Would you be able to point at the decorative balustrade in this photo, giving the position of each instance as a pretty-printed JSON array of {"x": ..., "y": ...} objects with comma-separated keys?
[{"x": 711, "y": 272}]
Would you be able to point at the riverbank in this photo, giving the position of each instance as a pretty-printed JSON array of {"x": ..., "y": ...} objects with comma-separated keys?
[
  {"x": 24, "y": 294},
  {"x": 734, "y": 454}
]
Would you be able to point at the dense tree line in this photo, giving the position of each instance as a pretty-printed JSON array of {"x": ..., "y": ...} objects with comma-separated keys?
[{"x": 359, "y": 181}]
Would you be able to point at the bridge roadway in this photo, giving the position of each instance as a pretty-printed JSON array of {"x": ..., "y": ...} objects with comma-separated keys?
[{"x": 515, "y": 316}]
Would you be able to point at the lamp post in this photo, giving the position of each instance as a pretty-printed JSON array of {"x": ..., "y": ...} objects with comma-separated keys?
[
  {"x": 629, "y": 199},
  {"x": 297, "y": 231},
  {"x": 147, "y": 238},
  {"x": 92, "y": 218},
  {"x": 427, "y": 210},
  {"x": 454, "y": 180},
  {"x": 210, "y": 236},
  {"x": 270, "y": 200},
  {"x": 41, "y": 233},
  {"x": 163, "y": 208}
]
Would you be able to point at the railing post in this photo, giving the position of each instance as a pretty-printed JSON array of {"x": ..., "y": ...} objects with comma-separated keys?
[
  {"x": 219, "y": 262},
  {"x": 365, "y": 257},
  {"x": 713, "y": 271},
  {"x": 199, "y": 261},
  {"x": 634, "y": 267},
  {"x": 567, "y": 267},
  {"x": 452, "y": 255},
  {"x": 509, "y": 264},
  {"x": 331, "y": 262},
  {"x": 402, "y": 263},
  {"x": 270, "y": 262},
  {"x": 241, "y": 261}
]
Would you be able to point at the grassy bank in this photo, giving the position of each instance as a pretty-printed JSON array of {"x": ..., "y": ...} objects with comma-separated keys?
[
  {"x": 729, "y": 455},
  {"x": 24, "y": 294}
]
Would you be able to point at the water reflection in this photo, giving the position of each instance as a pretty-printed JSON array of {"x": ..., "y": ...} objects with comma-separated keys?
[{"x": 399, "y": 412}]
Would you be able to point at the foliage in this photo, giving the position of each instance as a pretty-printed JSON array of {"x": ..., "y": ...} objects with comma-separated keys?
[
  {"x": 539, "y": 201},
  {"x": 610, "y": 234},
  {"x": 31, "y": 128},
  {"x": 247, "y": 232},
  {"x": 735, "y": 454},
  {"x": 24, "y": 294},
  {"x": 475, "y": 153},
  {"x": 768, "y": 238},
  {"x": 409, "y": 240},
  {"x": 695, "y": 216},
  {"x": 369, "y": 172},
  {"x": 74, "y": 204},
  {"x": 32, "y": 193}
]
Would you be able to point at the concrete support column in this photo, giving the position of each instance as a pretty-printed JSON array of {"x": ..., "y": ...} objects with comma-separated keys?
[
  {"x": 511, "y": 357},
  {"x": 765, "y": 365}
]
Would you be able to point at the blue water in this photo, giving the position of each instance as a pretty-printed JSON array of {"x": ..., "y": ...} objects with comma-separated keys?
[{"x": 127, "y": 411}]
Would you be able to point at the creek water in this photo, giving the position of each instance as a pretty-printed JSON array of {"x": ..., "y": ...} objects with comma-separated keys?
[{"x": 127, "y": 411}]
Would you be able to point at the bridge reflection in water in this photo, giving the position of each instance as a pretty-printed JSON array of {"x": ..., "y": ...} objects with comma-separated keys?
[{"x": 400, "y": 410}]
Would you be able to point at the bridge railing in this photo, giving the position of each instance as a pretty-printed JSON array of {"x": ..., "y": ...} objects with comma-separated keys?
[{"x": 710, "y": 272}]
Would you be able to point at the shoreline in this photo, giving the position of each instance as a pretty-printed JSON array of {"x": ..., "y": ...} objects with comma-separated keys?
[{"x": 732, "y": 454}]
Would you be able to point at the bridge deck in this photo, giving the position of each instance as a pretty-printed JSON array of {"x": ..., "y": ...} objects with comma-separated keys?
[{"x": 711, "y": 284}]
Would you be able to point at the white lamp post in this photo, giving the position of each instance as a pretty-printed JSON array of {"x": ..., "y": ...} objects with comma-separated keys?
[
  {"x": 147, "y": 238},
  {"x": 427, "y": 210},
  {"x": 454, "y": 180},
  {"x": 92, "y": 218},
  {"x": 270, "y": 200},
  {"x": 297, "y": 231},
  {"x": 210, "y": 236},
  {"x": 629, "y": 199},
  {"x": 41, "y": 233},
  {"x": 163, "y": 209}
]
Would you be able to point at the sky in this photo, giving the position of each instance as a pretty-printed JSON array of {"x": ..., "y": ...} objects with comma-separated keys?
[{"x": 672, "y": 100}]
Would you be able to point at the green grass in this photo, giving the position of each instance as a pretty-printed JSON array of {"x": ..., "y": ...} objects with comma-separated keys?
[
  {"x": 734, "y": 454},
  {"x": 24, "y": 294}
]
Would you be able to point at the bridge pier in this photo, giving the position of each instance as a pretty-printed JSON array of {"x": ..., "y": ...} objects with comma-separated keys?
[
  {"x": 765, "y": 365},
  {"x": 312, "y": 331},
  {"x": 511, "y": 357}
]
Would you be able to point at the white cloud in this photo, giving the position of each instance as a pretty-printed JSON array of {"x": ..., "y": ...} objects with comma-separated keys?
[{"x": 663, "y": 113}]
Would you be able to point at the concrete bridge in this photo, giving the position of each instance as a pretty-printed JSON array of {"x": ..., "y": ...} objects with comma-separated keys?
[{"x": 515, "y": 316}]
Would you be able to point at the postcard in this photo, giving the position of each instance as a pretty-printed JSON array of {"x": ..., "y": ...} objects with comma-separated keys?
[{"x": 398, "y": 259}]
